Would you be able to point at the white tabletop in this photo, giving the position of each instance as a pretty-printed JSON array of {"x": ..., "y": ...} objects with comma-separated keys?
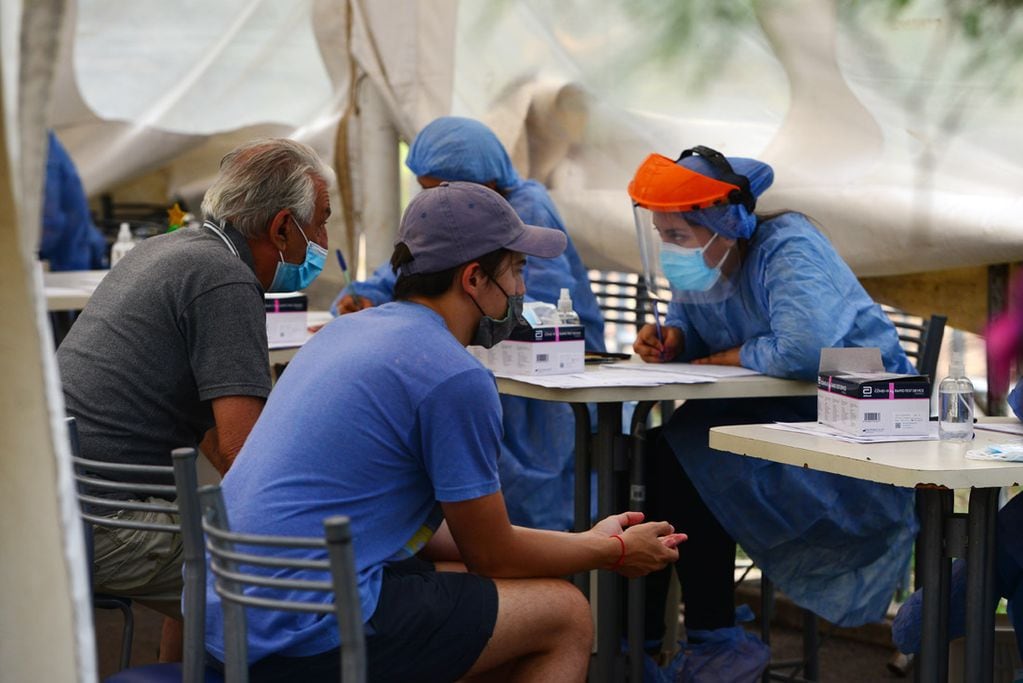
[
  {"x": 909, "y": 463},
  {"x": 70, "y": 290},
  {"x": 725, "y": 387}
]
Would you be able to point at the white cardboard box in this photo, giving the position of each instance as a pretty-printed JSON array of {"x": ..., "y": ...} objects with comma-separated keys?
[
  {"x": 856, "y": 395},
  {"x": 286, "y": 317},
  {"x": 536, "y": 351}
]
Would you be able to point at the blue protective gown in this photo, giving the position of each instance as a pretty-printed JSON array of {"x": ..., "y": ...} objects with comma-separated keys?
[
  {"x": 835, "y": 545},
  {"x": 538, "y": 447},
  {"x": 69, "y": 241}
]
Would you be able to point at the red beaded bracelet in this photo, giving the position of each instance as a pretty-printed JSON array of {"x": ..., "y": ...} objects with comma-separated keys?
[{"x": 621, "y": 559}]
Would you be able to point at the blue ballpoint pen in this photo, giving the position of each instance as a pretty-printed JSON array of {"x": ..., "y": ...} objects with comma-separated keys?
[
  {"x": 657, "y": 323},
  {"x": 348, "y": 279}
]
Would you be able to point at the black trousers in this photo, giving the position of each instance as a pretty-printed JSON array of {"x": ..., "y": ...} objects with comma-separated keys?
[{"x": 706, "y": 562}]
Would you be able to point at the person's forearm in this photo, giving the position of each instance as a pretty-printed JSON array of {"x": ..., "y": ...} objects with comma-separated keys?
[
  {"x": 533, "y": 553},
  {"x": 210, "y": 448}
]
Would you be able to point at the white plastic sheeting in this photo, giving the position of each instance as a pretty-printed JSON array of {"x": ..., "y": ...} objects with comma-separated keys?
[
  {"x": 45, "y": 614},
  {"x": 891, "y": 128}
]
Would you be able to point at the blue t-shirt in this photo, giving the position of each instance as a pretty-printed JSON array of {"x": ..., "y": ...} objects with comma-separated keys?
[{"x": 381, "y": 416}]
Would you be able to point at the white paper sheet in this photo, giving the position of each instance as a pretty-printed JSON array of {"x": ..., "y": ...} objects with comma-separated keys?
[
  {"x": 586, "y": 380},
  {"x": 1004, "y": 427},
  {"x": 818, "y": 429},
  {"x": 683, "y": 370}
]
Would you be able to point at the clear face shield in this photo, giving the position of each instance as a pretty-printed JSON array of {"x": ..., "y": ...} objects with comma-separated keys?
[{"x": 691, "y": 259}]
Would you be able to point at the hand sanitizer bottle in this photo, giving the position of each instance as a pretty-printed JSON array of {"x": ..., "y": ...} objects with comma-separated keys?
[
  {"x": 123, "y": 245},
  {"x": 955, "y": 398},
  {"x": 566, "y": 313}
]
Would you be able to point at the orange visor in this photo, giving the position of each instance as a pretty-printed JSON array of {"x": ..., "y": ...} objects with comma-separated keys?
[{"x": 662, "y": 185}]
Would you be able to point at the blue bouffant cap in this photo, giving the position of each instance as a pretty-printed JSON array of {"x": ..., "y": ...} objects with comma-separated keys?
[{"x": 733, "y": 221}]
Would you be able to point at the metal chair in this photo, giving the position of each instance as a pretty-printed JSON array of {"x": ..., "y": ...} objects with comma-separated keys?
[
  {"x": 237, "y": 580},
  {"x": 627, "y": 305},
  {"x": 92, "y": 482},
  {"x": 920, "y": 338}
]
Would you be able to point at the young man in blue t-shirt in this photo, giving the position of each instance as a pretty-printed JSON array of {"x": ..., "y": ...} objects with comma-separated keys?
[{"x": 383, "y": 416}]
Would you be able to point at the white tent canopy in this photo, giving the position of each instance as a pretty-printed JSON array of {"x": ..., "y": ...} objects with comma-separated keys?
[
  {"x": 894, "y": 124},
  {"x": 891, "y": 129}
]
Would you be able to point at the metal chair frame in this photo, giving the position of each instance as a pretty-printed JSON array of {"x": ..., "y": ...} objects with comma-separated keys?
[
  {"x": 235, "y": 570},
  {"x": 91, "y": 484}
]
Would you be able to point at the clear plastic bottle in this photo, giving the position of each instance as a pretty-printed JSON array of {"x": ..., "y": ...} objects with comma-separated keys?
[
  {"x": 566, "y": 313},
  {"x": 955, "y": 398},
  {"x": 125, "y": 242}
]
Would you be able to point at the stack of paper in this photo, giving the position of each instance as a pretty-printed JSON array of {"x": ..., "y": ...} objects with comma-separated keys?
[
  {"x": 817, "y": 429},
  {"x": 635, "y": 375}
]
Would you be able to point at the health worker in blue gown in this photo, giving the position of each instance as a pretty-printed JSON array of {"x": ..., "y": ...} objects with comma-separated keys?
[
  {"x": 766, "y": 292},
  {"x": 536, "y": 463},
  {"x": 69, "y": 240}
]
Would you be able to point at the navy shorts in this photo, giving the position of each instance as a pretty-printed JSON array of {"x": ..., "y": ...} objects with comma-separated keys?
[{"x": 428, "y": 626}]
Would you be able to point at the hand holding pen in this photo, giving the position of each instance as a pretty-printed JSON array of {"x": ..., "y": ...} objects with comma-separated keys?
[
  {"x": 658, "y": 343},
  {"x": 352, "y": 302}
]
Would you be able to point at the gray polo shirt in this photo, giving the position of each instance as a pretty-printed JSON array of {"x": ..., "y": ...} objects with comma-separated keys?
[{"x": 177, "y": 323}]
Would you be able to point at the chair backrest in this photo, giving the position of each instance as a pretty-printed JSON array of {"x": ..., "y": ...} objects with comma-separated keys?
[
  {"x": 239, "y": 574},
  {"x": 627, "y": 304},
  {"x": 95, "y": 477},
  {"x": 920, "y": 338}
]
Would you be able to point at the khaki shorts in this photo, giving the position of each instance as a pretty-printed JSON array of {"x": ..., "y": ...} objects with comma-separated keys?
[{"x": 138, "y": 564}]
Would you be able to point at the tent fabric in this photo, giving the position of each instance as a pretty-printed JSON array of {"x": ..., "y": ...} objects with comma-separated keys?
[{"x": 878, "y": 139}]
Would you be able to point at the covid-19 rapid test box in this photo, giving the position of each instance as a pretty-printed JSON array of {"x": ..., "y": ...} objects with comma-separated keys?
[
  {"x": 286, "y": 317},
  {"x": 536, "y": 351},
  {"x": 856, "y": 395}
]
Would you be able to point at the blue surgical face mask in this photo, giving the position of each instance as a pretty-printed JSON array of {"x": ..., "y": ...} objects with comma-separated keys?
[
  {"x": 291, "y": 277},
  {"x": 687, "y": 270}
]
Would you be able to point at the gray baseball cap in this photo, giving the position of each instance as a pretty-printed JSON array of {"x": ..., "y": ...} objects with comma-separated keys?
[{"x": 456, "y": 222}]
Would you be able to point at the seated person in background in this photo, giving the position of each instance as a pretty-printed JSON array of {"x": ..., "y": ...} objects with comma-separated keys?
[
  {"x": 384, "y": 417},
  {"x": 171, "y": 350},
  {"x": 69, "y": 241},
  {"x": 538, "y": 448},
  {"x": 1005, "y": 344},
  {"x": 766, "y": 292}
]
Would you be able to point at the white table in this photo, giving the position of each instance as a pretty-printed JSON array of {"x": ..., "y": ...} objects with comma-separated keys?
[
  {"x": 613, "y": 454},
  {"x": 70, "y": 290},
  {"x": 935, "y": 469}
]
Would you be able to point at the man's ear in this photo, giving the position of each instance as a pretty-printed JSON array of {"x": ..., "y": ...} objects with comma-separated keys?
[
  {"x": 472, "y": 277},
  {"x": 278, "y": 229}
]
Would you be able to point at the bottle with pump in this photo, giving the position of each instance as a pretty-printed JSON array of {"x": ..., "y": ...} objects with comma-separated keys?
[
  {"x": 123, "y": 244},
  {"x": 566, "y": 314},
  {"x": 955, "y": 398}
]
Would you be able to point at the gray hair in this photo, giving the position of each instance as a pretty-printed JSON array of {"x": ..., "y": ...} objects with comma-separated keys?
[{"x": 260, "y": 178}]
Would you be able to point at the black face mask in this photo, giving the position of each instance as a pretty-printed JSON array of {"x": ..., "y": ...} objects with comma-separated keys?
[{"x": 490, "y": 331}]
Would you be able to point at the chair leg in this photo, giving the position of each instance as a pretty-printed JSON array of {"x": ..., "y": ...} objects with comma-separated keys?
[
  {"x": 766, "y": 614},
  {"x": 128, "y": 627},
  {"x": 811, "y": 645}
]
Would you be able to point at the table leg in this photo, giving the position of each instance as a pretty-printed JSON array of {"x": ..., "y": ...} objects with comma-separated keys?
[
  {"x": 636, "y": 604},
  {"x": 980, "y": 586},
  {"x": 934, "y": 569},
  {"x": 609, "y": 431},
  {"x": 582, "y": 483}
]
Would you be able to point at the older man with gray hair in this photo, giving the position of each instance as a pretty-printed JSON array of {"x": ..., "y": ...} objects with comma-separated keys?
[{"x": 172, "y": 350}]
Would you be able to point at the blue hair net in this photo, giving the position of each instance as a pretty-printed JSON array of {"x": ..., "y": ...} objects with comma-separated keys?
[
  {"x": 456, "y": 148},
  {"x": 733, "y": 221}
]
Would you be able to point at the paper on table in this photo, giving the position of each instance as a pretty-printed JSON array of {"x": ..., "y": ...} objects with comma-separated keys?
[
  {"x": 1005, "y": 427},
  {"x": 596, "y": 378},
  {"x": 817, "y": 429},
  {"x": 685, "y": 369}
]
